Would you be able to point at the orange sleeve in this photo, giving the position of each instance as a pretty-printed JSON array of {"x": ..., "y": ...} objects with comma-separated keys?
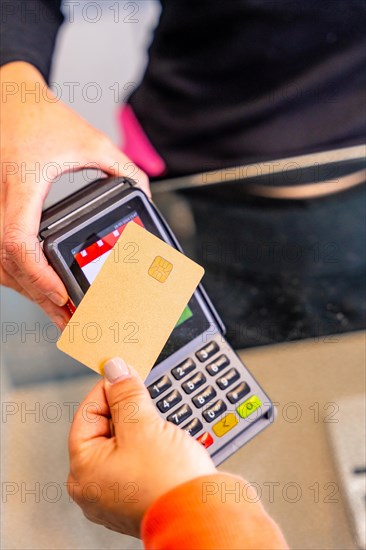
[{"x": 211, "y": 512}]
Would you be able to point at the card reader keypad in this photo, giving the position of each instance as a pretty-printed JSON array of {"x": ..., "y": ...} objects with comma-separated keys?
[
  {"x": 193, "y": 427},
  {"x": 183, "y": 368},
  {"x": 180, "y": 414},
  {"x": 160, "y": 386},
  {"x": 208, "y": 351},
  {"x": 238, "y": 392},
  {"x": 227, "y": 379},
  {"x": 204, "y": 397},
  {"x": 193, "y": 383},
  {"x": 210, "y": 395},
  {"x": 215, "y": 410},
  {"x": 169, "y": 401},
  {"x": 216, "y": 366}
]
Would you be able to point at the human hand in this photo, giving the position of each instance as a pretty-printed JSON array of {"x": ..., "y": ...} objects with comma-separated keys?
[
  {"x": 144, "y": 459},
  {"x": 42, "y": 138}
]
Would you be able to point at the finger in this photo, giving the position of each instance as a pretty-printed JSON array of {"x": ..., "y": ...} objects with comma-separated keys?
[
  {"x": 7, "y": 280},
  {"x": 22, "y": 254},
  {"x": 91, "y": 423},
  {"x": 58, "y": 315},
  {"x": 129, "y": 401},
  {"x": 23, "y": 259},
  {"x": 114, "y": 162}
]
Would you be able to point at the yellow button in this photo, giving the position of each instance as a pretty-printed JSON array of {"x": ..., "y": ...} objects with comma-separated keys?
[
  {"x": 225, "y": 424},
  {"x": 249, "y": 406}
]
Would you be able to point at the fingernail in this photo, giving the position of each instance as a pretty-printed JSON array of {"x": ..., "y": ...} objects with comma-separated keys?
[
  {"x": 61, "y": 322},
  {"x": 57, "y": 298},
  {"x": 116, "y": 369}
]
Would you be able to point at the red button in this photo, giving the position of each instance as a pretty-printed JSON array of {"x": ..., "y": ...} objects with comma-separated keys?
[{"x": 205, "y": 439}]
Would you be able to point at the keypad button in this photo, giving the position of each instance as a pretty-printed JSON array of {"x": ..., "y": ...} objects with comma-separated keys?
[
  {"x": 208, "y": 351},
  {"x": 169, "y": 401},
  {"x": 183, "y": 369},
  {"x": 216, "y": 366},
  {"x": 204, "y": 397},
  {"x": 159, "y": 386},
  {"x": 249, "y": 406},
  {"x": 205, "y": 439},
  {"x": 214, "y": 411},
  {"x": 227, "y": 379},
  {"x": 180, "y": 414},
  {"x": 238, "y": 393},
  {"x": 193, "y": 427},
  {"x": 193, "y": 383},
  {"x": 225, "y": 424}
]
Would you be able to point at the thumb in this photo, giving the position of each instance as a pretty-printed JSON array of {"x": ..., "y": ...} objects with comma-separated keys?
[{"x": 128, "y": 399}]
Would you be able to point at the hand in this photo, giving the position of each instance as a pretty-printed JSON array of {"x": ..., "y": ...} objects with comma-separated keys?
[
  {"x": 115, "y": 478},
  {"x": 41, "y": 139}
]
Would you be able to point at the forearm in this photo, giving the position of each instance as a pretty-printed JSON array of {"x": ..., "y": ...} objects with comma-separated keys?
[
  {"x": 212, "y": 512},
  {"x": 28, "y": 31}
]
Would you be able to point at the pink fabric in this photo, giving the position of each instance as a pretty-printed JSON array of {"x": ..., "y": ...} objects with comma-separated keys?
[{"x": 137, "y": 145}]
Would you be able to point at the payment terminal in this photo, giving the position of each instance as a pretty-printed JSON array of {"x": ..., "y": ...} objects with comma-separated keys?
[{"x": 198, "y": 382}]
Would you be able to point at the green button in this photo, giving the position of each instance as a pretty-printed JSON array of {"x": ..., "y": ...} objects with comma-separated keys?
[{"x": 249, "y": 406}]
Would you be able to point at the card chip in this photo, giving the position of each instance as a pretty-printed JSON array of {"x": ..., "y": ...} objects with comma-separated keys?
[{"x": 160, "y": 269}]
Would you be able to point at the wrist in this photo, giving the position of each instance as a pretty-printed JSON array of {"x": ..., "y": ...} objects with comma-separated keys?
[
  {"x": 22, "y": 86},
  {"x": 19, "y": 71}
]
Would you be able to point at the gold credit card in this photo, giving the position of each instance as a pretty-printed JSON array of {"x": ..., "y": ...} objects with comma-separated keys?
[{"x": 134, "y": 303}]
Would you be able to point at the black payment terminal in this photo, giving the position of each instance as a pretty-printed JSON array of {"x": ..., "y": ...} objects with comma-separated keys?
[{"x": 198, "y": 382}]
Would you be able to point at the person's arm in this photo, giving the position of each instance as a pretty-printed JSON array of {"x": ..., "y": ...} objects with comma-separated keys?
[
  {"x": 28, "y": 32},
  {"x": 41, "y": 139},
  {"x": 211, "y": 512},
  {"x": 155, "y": 481}
]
